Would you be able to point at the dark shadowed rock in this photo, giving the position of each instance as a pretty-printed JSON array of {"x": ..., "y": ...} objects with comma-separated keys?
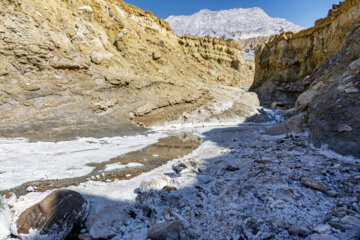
[
  {"x": 258, "y": 229},
  {"x": 300, "y": 230},
  {"x": 169, "y": 230},
  {"x": 52, "y": 218}
]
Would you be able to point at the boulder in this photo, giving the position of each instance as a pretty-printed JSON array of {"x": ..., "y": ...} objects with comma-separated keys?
[
  {"x": 258, "y": 229},
  {"x": 52, "y": 218},
  {"x": 169, "y": 230},
  {"x": 107, "y": 222},
  {"x": 300, "y": 230},
  {"x": 190, "y": 164},
  {"x": 314, "y": 184},
  {"x": 101, "y": 57},
  {"x": 156, "y": 182},
  {"x": 350, "y": 220}
]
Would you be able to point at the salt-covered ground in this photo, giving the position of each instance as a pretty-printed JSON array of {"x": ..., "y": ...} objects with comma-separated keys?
[
  {"x": 22, "y": 161},
  {"x": 243, "y": 185}
]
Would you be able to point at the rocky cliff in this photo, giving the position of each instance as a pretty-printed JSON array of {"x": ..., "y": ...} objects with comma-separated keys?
[
  {"x": 284, "y": 62},
  {"x": 84, "y": 68},
  {"x": 319, "y": 69}
]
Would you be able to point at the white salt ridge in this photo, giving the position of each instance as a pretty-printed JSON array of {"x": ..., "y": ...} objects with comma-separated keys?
[
  {"x": 189, "y": 125},
  {"x": 22, "y": 161},
  {"x": 5, "y": 220},
  {"x": 119, "y": 166}
]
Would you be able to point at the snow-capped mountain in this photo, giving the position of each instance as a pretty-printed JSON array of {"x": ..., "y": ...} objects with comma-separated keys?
[{"x": 237, "y": 23}]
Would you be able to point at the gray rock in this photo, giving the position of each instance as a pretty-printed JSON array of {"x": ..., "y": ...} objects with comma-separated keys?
[
  {"x": 325, "y": 228},
  {"x": 332, "y": 193},
  {"x": 258, "y": 229},
  {"x": 344, "y": 128},
  {"x": 280, "y": 223},
  {"x": 350, "y": 220},
  {"x": 336, "y": 225},
  {"x": 98, "y": 222},
  {"x": 314, "y": 184},
  {"x": 300, "y": 230},
  {"x": 169, "y": 230},
  {"x": 322, "y": 237},
  {"x": 189, "y": 164}
]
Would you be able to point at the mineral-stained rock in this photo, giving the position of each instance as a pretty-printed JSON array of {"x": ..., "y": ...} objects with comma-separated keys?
[
  {"x": 314, "y": 184},
  {"x": 53, "y": 217},
  {"x": 169, "y": 230}
]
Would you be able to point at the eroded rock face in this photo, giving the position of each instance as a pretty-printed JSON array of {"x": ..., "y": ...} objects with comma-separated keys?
[
  {"x": 52, "y": 218},
  {"x": 223, "y": 54},
  {"x": 328, "y": 102},
  {"x": 334, "y": 112},
  {"x": 284, "y": 61},
  {"x": 61, "y": 61}
]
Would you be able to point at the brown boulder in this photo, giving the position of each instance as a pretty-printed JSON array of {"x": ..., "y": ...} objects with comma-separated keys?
[{"x": 54, "y": 217}]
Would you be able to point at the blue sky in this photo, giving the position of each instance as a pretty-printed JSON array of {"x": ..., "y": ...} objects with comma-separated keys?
[{"x": 301, "y": 12}]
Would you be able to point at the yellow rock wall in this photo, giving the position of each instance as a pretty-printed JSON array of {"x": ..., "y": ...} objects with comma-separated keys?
[
  {"x": 79, "y": 63},
  {"x": 289, "y": 57}
]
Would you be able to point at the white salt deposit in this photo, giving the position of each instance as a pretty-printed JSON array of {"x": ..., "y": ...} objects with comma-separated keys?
[
  {"x": 22, "y": 161},
  {"x": 118, "y": 166}
]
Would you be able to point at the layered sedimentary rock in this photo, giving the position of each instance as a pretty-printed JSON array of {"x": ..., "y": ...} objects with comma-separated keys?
[
  {"x": 78, "y": 68},
  {"x": 284, "y": 62},
  {"x": 219, "y": 53},
  {"x": 318, "y": 68}
]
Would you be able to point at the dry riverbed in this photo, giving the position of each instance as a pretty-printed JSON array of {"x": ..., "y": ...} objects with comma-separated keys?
[{"x": 238, "y": 184}]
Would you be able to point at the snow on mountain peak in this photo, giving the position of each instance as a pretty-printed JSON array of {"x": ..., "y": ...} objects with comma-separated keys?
[{"x": 237, "y": 23}]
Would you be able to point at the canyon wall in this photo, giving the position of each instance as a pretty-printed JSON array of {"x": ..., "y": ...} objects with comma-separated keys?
[
  {"x": 284, "y": 62},
  {"x": 83, "y": 68},
  {"x": 318, "y": 72}
]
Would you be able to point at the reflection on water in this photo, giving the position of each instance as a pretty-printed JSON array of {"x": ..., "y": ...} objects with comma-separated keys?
[{"x": 126, "y": 166}]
